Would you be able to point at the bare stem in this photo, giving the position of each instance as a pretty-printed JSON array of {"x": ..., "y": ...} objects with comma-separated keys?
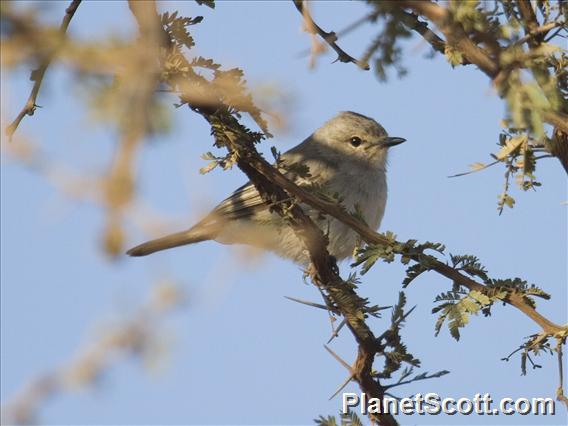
[{"x": 38, "y": 74}]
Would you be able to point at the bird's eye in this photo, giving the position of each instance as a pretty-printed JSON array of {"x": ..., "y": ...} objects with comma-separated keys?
[{"x": 355, "y": 141}]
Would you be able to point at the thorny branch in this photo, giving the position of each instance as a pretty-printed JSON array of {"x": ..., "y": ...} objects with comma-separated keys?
[
  {"x": 38, "y": 74},
  {"x": 373, "y": 237},
  {"x": 329, "y": 37}
]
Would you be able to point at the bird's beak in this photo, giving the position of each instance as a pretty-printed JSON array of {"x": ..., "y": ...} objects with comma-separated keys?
[{"x": 393, "y": 141}]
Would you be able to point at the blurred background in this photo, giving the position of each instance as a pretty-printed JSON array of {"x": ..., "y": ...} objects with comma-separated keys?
[{"x": 176, "y": 337}]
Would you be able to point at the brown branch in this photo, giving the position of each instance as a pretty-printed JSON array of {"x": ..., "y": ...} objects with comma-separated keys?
[
  {"x": 329, "y": 37},
  {"x": 38, "y": 74}
]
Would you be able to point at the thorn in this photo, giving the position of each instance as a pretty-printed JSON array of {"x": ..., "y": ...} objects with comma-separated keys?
[
  {"x": 408, "y": 312},
  {"x": 336, "y": 331},
  {"x": 306, "y": 302},
  {"x": 338, "y": 359},
  {"x": 342, "y": 386}
]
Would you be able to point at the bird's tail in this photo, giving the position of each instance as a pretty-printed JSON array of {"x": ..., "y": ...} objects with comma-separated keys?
[{"x": 190, "y": 236}]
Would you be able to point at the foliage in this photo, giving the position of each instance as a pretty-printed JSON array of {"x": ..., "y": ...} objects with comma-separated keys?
[
  {"x": 457, "y": 305},
  {"x": 524, "y": 48},
  {"x": 398, "y": 354}
]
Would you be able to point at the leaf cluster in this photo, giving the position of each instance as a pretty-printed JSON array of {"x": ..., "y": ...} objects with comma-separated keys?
[
  {"x": 456, "y": 306},
  {"x": 367, "y": 256},
  {"x": 398, "y": 354}
]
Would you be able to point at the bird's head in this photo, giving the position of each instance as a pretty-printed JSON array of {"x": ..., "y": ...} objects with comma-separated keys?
[{"x": 357, "y": 137}]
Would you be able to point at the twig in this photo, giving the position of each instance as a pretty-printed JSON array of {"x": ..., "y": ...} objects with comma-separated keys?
[
  {"x": 354, "y": 25},
  {"x": 476, "y": 170},
  {"x": 411, "y": 21},
  {"x": 329, "y": 37},
  {"x": 418, "y": 378},
  {"x": 540, "y": 31},
  {"x": 272, "y": 185},
  {"x": 38, "y": 74}
]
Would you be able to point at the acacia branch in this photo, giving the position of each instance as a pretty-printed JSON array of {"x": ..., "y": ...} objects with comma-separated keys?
[
  {"x": 372, "y": 237},
  {"x": 38, "y": 74}
]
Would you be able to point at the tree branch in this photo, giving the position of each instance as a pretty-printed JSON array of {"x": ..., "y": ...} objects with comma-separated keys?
[
  {"x": 373, "y": 237},
  {"x": 38, "y": 74}
]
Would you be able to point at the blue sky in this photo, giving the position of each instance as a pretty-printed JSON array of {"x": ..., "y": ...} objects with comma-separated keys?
[{"x": 239, "y": 352}]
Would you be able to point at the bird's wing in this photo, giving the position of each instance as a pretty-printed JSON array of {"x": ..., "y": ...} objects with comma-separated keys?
[
  {"x": 246, "y": 200},
  {"x": 242, "y": 203}
]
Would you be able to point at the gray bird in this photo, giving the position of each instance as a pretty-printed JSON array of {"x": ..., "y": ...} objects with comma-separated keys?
[{"x": 346, "y": 157}]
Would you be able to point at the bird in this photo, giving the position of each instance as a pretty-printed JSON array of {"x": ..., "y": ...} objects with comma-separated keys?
[{"x": 345, "y": 158}]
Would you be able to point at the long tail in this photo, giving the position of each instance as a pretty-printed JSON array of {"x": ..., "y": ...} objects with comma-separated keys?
[{"x": 170, "y": 241}]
